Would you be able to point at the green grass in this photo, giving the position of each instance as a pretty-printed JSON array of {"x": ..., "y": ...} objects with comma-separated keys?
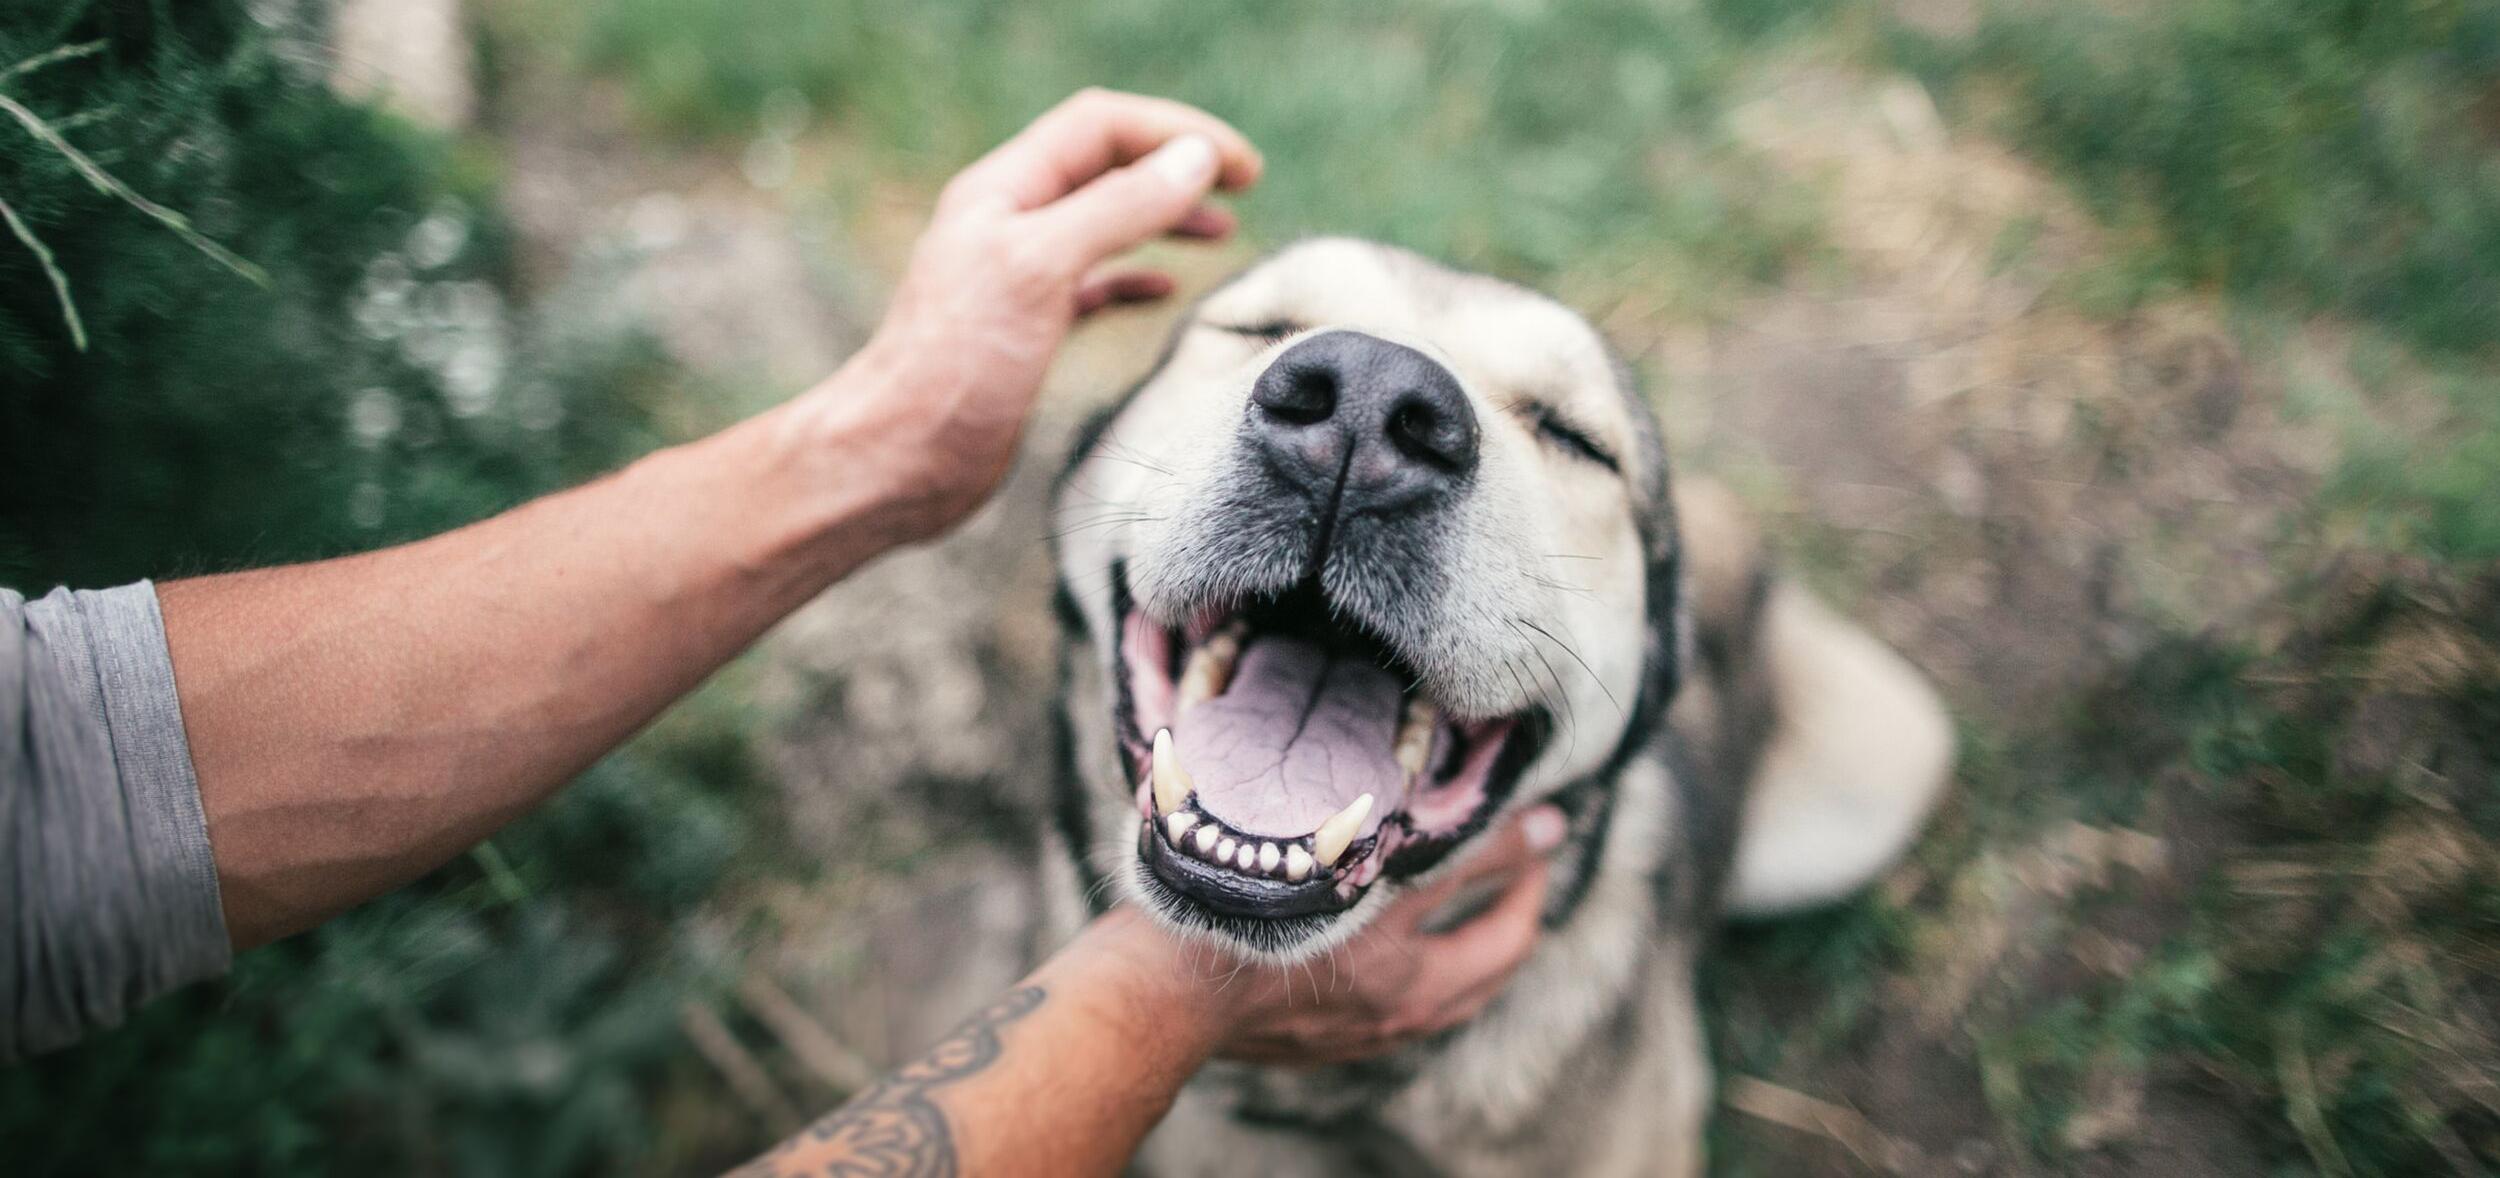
[
  {"x": 2330, "y": 156},
  {"x": 2298, "y": 157}
]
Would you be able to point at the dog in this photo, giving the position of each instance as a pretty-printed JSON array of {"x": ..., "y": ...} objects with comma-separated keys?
[{"x": 1378, "y": 552}]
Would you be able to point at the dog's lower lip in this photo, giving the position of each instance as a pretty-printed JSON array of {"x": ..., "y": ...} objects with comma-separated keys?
[{"x": 1231, "y": 894}]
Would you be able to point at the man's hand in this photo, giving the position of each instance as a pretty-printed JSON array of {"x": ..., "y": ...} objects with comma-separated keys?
[
  {"x": 1068, "y": 1071},
  {"x": 1401, "y": 979},
  {"x": 1014, "y": 254}
]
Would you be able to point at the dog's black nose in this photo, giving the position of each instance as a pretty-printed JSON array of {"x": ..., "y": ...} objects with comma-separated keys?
[{"x": 1387, "y": 420}]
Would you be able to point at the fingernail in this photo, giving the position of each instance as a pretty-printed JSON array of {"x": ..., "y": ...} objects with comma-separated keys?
[
  {"x": 1188, "y": 160},
  {"x": 1544, "y": 827}
]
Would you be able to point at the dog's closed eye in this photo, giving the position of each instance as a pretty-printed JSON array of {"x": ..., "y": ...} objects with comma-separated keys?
[
  {"x": 1558, "y": 430},
  {"x": 1265, "y": 330}
]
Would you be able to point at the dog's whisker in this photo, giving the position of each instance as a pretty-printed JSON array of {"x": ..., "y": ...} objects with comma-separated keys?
[
  {"x": 1090, "y": 525},
  {"x": 1134, "y": 456},
  {"x": 1570, "y": 713},
  {"x": 1562, "y": 587},
  {"x": 1584, "y": 665}
]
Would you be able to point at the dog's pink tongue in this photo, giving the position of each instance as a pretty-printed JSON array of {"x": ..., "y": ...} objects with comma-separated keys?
[{"x": 1296, "y": 737}]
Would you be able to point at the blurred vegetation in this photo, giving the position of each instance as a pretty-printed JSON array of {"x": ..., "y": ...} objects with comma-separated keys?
[
  {"x": 379, "y": 386},
  {"x": 2331, "y": 155},
  {"x": 1530, "y": 139},
  {"x": 2298, "y": 155},
  {"x": 517, "y": 1011}
]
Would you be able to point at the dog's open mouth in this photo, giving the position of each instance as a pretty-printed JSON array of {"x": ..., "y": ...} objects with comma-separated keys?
[{"x": 1285, "y": 759}]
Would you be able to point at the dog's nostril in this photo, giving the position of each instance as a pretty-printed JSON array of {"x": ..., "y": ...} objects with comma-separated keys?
[
  {"x": 1421, "y": 431},
  {"x": 1306, "y": 396},
  {"x": 1361, "y": 422}
]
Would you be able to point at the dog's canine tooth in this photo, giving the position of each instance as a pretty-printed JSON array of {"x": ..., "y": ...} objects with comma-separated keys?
[
  {"x": 1177, "y": 824},
  {"x": 1334, "y": 835},
  {"x": 1210, "y": 667},
  {"x": 1206, "y": 839},
  {"x": 1297, "y": 863},
  {"x": 1268, "y": 857},
  {"x": 1414, "y": 740},
  {"x": 1172, "y": 784}
]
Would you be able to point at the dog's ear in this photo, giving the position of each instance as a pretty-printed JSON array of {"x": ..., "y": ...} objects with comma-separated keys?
[
  {"x": 1859, "y": 751},
  {"x": 1840, "y": 744}
]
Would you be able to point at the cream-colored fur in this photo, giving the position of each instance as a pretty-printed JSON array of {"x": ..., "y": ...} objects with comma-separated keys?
[
  {"x": 1593, "y": 1061},
  {"x": 1859, "y": 754}
]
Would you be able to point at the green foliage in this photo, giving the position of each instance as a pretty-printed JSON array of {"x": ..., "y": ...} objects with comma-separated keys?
[
  {"x": 515, "y": 1013},
  {"x": 375, "y": 389},
  {"x": 1522, "y": 138},
  {"x": 2432, "y": 496},
  {"x": 426, "y": 1033}
]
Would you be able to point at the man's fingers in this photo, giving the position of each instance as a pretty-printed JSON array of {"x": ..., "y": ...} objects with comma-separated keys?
[
  {"x": 1119, "y": 287},
  {"x": 1206, "y": 223},
  {"x": 1508, "y": 849},
  {"x": 1097, "y": 130},
  {"x": 1483, "y": 951},
  {"x": 1130, "y": 205}
]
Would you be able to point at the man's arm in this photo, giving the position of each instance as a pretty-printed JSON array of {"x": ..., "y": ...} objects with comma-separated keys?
[
  {"x": 1066, "y": 1073},
  {"x": 358, "y": 721}
]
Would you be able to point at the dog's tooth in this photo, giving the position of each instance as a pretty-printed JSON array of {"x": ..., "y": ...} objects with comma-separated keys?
[
  {"x": 1414, "y": 740},
  {"x": 1172, "y": 785},
  {"x": 1336, "y": 834},
  {"x": 1224, "y": 850},
  {"x": 1210, "y": 667},
  {"x": 1268, "y": 856},
  {"x": 1177, "y": 824},
  {"x": 1247, "y": 858},
  {"x": 1206, "y": 839},
  {"x": 1297, "y": 863},
  {"x": 1197, "y": 683}
]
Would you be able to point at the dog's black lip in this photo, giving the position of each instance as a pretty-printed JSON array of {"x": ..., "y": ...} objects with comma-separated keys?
[{"x": 1230, "y": 893}]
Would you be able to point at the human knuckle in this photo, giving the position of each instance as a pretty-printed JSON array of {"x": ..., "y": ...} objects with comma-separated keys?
[{"x": 1028, "y": 262}]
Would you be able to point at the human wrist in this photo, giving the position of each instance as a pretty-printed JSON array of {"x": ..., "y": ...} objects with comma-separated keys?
[
  {"x": 1157, "y": 989},
  {"x": 879, "y": 437},
  {"x": 837, "y": 466}
]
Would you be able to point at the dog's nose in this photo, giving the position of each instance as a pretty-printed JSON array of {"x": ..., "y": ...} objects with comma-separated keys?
[{"x": 1387, "y": 421}]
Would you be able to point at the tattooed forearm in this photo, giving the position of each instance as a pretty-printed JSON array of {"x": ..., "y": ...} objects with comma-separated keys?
[{"x": 894, "y": 1130}]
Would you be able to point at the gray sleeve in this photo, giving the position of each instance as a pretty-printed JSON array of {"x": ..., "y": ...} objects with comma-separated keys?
[{"x": 108, "y": 896}]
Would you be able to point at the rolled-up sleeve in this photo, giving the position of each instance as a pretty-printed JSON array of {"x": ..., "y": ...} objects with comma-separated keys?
[{"x": 110, "y": 892}]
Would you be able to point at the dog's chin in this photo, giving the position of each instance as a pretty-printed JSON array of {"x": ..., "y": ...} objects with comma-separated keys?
[{"x": 1283, "y": 929}]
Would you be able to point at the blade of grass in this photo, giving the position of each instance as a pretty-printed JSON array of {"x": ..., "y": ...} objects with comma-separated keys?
[
  {"x": 51, "y": 270},
  {"x": 51, "y": 58},
  {"x": 108, "y": 185}
]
